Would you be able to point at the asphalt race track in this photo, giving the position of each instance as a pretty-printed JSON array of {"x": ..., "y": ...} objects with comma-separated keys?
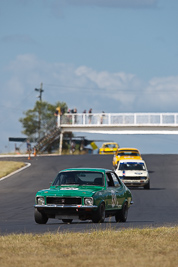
[{"x": 152, "y": 208}]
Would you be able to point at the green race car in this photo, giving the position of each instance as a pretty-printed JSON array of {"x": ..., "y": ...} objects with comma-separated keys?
[{"x": 84, "y": 194}]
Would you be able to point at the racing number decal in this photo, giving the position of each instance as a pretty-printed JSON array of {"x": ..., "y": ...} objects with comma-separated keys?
[
  {"x": 114, "y": 199},
  {"x": 114, "y": 184}
]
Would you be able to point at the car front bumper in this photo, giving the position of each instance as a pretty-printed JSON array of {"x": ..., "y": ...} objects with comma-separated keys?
[
  {"x": 81, "y": 212},
  {"x": 135, "y": 183},
  {"x": 66, "y": 206}
]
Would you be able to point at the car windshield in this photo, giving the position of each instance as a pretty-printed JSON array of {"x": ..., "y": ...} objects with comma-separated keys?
[
  {"x": 132, "y": 166},
  {"x": 79, "y": 178}
]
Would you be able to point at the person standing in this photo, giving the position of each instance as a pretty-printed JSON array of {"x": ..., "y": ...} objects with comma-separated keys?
[
  {"x": 90, "y": 116},
  {"x": 58, "y": 111},
  {"x": 75, "y": 115},
  {"x": 102, "y": 117},
  {"x": 29, "y": 149},
  {"x": 58, "y": 115}
]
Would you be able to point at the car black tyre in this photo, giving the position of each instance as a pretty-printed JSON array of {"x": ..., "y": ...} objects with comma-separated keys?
[
  {"x": 67, "y": 220},
  {"x": 122, "y": 214},
  {"x": 99, "y": 215},
  {"x": 147, "y": 186},
  {"x": 40, "y": 217}
]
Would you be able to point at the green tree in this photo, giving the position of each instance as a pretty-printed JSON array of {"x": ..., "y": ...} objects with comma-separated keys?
[{"x": 40, "y": 117}]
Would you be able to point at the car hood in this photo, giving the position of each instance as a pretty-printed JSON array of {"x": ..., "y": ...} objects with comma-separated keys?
[{"x": 73, "y": 191}]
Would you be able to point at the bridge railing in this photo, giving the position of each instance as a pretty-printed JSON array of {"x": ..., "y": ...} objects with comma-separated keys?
[{"x": 135, "y": 119}]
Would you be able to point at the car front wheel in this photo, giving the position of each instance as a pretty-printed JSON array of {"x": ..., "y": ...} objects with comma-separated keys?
[
  {"x": 40, "y": 217},
  {"x": 147, "y": 186},
  {"x": 99, "y": 215},
  {"x": 121, "y": 215}
]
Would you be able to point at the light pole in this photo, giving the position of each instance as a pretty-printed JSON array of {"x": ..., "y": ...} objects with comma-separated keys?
[{"x": 40, "y": 90}]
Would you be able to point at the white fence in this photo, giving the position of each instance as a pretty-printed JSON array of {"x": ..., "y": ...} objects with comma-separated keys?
[
  {"x": 135, "y": 119},
  {"x": 118, "y": 123}
]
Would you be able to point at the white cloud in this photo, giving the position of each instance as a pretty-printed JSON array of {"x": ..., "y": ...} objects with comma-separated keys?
[
  {"x": 112, "y": 92},
  {"x": 164, "y": 83},
  {"x": 163, "y": 92},
  {"x": 79, "y": 87},
  {"x": 104, "y": 78}
]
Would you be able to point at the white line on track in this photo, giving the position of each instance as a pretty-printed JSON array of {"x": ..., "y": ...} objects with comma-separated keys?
[{"x": 19, "y": 170}]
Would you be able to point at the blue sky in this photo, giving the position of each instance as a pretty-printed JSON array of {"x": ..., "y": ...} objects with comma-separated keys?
[{"x": 108, "y": 55}]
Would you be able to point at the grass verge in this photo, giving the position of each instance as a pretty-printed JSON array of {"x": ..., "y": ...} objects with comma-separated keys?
[
  {"x": 128, "y": 247},
  {"x": 7, "y": 167}
]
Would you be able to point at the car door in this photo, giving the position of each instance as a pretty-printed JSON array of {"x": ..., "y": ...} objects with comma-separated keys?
[{"x": 116, "y": 191}]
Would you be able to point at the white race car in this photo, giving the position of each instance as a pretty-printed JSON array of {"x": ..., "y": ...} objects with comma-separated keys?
[{"x": 133, "y": 173}]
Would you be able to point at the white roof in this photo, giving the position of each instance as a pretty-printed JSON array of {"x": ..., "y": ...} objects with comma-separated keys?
[{"x": 131, "y": 160}]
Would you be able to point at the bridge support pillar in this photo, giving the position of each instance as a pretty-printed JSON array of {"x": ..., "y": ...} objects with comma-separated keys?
[{"x": 60, "y": 143}]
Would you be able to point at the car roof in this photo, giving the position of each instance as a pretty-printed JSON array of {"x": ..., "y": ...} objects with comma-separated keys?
[
  {"x": 87, "y": 169},
  {"x": 132, "y": 160},
  {"x": 110, "y": 143},
  {"x": 127, "y": 148}
]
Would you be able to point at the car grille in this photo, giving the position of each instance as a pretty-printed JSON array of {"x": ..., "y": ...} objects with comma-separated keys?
[
  {"x": 133, "y": 178},
  {"x": 64, "y": 200}
]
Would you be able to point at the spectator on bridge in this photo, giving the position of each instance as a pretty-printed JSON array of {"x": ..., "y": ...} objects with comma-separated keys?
[
  {"x": 69, "y": 120},
  {"x": 90, "y": 116},
  {"x": 102, "y": 117},
  {"x": 84, "y": 116},
  {"x": 58, "y": 111},
  {"x": 75, "y": 116}
]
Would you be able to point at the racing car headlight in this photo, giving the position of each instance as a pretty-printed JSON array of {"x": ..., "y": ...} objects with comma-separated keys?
[
  {"x": 88, "y": 201},
  {"x": 40, "y": 201}
]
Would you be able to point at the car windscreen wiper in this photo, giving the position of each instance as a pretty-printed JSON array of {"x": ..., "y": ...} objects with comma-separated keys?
[{"x": 68, "y": 184}]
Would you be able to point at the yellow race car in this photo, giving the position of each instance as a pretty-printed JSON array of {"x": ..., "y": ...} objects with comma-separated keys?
[
  {"x": 125, "y": 153},
  {"x": 108, "y": 148}
]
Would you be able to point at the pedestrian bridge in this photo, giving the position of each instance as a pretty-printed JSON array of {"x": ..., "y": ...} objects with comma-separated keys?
[{"x": 119, "y": 123}]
